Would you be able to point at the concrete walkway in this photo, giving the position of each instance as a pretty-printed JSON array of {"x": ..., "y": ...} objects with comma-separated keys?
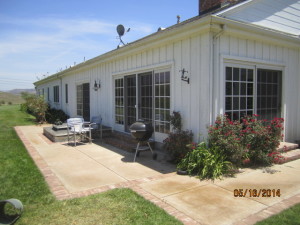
[{"x": 93, "y": 168}]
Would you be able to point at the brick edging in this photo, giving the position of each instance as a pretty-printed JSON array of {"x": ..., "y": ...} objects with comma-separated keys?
[
  {"x": 55, "y": 185},
  {"x": 271, "y": 210}
]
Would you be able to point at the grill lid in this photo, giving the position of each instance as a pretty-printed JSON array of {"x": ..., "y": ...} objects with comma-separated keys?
[{"x": 141, "y": 130}]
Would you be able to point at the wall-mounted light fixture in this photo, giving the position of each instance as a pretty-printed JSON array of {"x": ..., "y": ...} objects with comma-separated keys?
[
  {"x": 97, "y": 86},
  {"x": 184, "y": 78}
]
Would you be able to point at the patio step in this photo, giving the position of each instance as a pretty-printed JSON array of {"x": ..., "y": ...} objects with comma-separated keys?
[
  {"x": 291, "y": 155},
  {"x": 286, "y": 146},
  {"x": 289, "y": 152}
]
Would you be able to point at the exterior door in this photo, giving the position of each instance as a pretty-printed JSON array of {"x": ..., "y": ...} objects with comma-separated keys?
[
  {"x": 83, "y": 100},
  {"x": 138, "y": 98},
  {"x": 86, "y": 101},
  {"x": 130, "y": 103}
]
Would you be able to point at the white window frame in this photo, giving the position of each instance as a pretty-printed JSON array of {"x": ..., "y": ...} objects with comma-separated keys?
[
  {"x": 250, "y": 63},
  {"x": 163, "y": 67}
]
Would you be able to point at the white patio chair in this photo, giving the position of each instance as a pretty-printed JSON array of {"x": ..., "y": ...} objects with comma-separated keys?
[{"x": 76, "y": 126}]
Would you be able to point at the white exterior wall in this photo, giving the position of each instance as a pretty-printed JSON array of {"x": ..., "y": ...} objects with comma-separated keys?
[
  {"x": 191, "y": 99},
  {"x": 203, "y": 55},
  {"x": 264, "y": 53}
]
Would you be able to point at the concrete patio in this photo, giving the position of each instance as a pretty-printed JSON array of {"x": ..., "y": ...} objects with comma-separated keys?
[{"x": 93, "y": 168}]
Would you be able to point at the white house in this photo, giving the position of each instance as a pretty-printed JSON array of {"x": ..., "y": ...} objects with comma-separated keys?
[{"x": 241, "y": 57}]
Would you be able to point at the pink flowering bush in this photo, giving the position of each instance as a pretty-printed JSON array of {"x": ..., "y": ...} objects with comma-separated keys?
[
  {"x": 225, "y": 135},
  {"x": 249, "y": 140}
]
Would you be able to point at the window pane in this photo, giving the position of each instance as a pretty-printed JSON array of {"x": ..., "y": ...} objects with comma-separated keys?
[
  {"x": 167, "y": 93},
  {"x": 236, "y": 88},
  {"x": 236, "y": 103},
  {"x": 228, "y": 88},
  {"x": 250, "y": 75},
  {"x": 249, "y": 103},
  {"x": 157, "y": 78},
  {"x": 162, "y": 78},
  {"x": 243, "y": 103},
  {"x": 228, "y": 103},
  {"x": 228, "y": 73},
  {"x": 236, "y": 74},
  {"x": 243, "y": 74},
  {"x": 243, "y": 89},
  {"x": 250, "y": 89},
  {"x": 167, "y": 77}
]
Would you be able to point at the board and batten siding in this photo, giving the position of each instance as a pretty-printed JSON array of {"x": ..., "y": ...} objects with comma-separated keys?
[
  {"x": 192, "y": 100},
  {"x": 264, "y": 54}
]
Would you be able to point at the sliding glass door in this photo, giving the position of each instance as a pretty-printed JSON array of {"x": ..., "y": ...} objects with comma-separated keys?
[
  {"x": 144, "y": 96},
  {"x": 250, "y": 90}
]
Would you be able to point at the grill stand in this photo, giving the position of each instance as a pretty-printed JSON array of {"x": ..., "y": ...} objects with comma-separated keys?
[{"x": 144, "y": 148}]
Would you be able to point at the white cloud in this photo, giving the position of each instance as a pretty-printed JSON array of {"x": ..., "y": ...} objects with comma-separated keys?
[
  {"x": 48, "y": 33},
  {"x": 44, "y": 45}
]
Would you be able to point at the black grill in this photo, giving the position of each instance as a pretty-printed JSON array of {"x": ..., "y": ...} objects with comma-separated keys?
[{"x": 142, "y": 132}]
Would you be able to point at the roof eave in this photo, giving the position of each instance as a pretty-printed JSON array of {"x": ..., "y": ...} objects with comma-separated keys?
[{"x": 294, "y": 39}]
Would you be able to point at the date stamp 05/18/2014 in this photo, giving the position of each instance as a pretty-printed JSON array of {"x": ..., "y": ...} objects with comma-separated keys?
[{"x": 265, "y": 193}]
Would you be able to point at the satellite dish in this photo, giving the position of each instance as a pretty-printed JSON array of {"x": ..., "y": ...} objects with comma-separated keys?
[{"x": 120, "y": 30}]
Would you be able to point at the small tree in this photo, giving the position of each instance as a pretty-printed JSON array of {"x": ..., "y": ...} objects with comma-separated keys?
[{"x": 35, "y": 105}]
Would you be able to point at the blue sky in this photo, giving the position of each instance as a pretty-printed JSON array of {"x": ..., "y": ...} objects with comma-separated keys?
[{"x": 39, "y": 37}]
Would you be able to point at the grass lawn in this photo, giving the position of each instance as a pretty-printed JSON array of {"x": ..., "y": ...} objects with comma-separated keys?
[
  {"x": 288, "y": 216},
  {"x": 20, "y": 178}
]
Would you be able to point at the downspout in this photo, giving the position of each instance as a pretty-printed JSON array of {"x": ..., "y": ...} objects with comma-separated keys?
[{"x": 214, "y": 71}]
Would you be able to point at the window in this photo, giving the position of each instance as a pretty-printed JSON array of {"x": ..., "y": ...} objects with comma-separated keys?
[
  {"x": 269, "y": 93},
  {"x": 66, "y": 93},
  {"x": 162, "y": 101},
  {"x": 239, "y": 92},
  {"x": 119, "y": 101},
  {"x": 48, "y": 94},
  {"x": 56, "y": 94},
  {"x": 247, "y": 92}
]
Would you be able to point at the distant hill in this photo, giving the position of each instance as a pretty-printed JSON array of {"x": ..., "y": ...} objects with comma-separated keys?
[
  {"x": 8, "y": 98},
  {"x": 19, "y": 91}
]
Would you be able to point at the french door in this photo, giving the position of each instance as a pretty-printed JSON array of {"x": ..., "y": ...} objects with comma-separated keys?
[
  {"x": 138, "y": 98},
  {"x": 144, "y": 96}
]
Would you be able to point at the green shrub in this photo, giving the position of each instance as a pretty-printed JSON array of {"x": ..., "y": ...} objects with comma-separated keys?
[
  {"x": 10, "y": 103},
  {"x": 177, "y": 141},
  {"x": 207, "y": 163},
  {"x": 250, "y": 140},
  {"x": 176, "y": 144},
  {"x": 35, "y": 105},
  {"x": 225, "y": 135},
  {"x": 55, "y": 116}
]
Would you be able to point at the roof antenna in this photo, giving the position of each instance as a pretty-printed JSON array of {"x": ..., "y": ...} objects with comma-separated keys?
[
  {"x": 121, "y": 32},
  {"x": 178, "y": 19}
]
